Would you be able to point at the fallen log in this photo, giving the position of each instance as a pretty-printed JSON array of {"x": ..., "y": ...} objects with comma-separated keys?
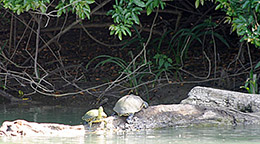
[{"x": 211, "y": 97}]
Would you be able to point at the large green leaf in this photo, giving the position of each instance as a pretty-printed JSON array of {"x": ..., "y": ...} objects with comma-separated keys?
[
  {"x": 139, "y": 3},
  {"x": 90, "y": 1}
]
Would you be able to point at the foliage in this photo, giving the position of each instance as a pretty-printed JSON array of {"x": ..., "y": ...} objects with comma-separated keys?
[
  {"x": 80, "y": 7},
  {"x": 137, "y": 71},
  {"x": 125, "y": 14},
  {"x": 124, "y": 68},
  {"x": 181, "y": 41},
  {"x": 163, "y": 63},
  {"x": 244, "y": 16},
  {"x": 159, "y": 62},
  {"x": 152, "y": 69},
  {"x": 251, "y": 84},
  {"x": 19, "y": 6},
  {"x": 138, "y": 40}
]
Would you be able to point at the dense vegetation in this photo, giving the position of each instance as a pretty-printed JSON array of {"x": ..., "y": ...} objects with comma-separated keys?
[{"x": 157, "y": 42}]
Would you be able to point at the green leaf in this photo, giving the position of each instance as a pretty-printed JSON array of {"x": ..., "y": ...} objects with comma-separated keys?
[
  {"x": 43, "y": 8},
  {"x": 169, "y": 60},
  {"x": 117, "y": 19},
  {"x": 135, "y": 18},
  {"x": 257, "y": 42},
  {"x": 127, "y": 15},
  {"x": 114, "y": 15},
  {"x": 242, "y": 18},
  {"x": 109, "y": 59},
  {"x": 148, "y": 3},
  {"x": 202, "y": 2},
  {"x": 197, "y": 3},
  {"x": 88, "y": 16},
  {"x": 59, "y": 13},
  {"x": 156, "y": 3},
  {"x": 123, "y": 30},
  {"x": 257, "y": 65},
  {"x": 128, "y": 31},
  {"x": 162, "y": 4},
  {"x": 90, "y": 1},
  {"x": 28, "y": 7},
  {"x": 161, "y": 61},
  {"x": 4, "y": 87},
  {"x": 19, "y": 11},
  {"x": 257, "y": 7},
  {"x": 156, "y": 56},
  {"x": 221, "y": 39},
  {"x": 120, "y": 35},
  {"x": 218, "y": 6},
  {"x": 137, "y": 9},
  {"x": 245, "y": 5},
  {"x": 139, "y": 3},
  {"x": 149, "y": 10}
]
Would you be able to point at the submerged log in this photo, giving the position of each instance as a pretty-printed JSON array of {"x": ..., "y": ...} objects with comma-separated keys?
[
  {"x": 203, "y": 107},
  {"x": 9, "y": 96}
]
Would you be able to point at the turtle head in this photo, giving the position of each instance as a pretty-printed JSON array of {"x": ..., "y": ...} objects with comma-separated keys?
[
  {"x": 83, "y": 118},
  {"x": 145, "y": 105},
  {"x": 100, "y": 111}
]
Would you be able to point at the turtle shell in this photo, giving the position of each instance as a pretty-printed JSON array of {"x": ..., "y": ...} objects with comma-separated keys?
[
  {"x": 129, "y": 104},
  {"x": 91, "y": 115}
]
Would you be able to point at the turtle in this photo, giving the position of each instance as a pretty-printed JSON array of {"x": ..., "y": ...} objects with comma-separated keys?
[
  {"x": 128, "y": 105},
  {"x": 94, "y": 116}
]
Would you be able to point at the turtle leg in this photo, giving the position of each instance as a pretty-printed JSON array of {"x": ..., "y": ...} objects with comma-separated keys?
[
  {"x": 104, "y": 124},
  {"x": 129, "y": 119},
  {"x": 85, "y": 123},
  {"x": 113, "y": 114},
  {"x": 90, "y": 124}
]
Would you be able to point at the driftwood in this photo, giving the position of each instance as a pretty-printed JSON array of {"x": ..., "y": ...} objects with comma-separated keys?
[
  {"x": 25, "y": 128},
  {"x": 203, "y": 107},
  {"x": 203, "y": 96}
]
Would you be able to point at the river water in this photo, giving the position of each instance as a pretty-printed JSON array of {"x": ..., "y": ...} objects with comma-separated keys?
[{"x": 72, "y": 116}]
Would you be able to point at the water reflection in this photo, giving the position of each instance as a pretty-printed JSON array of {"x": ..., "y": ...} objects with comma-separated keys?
[
  {"x": 163, "y": 136},
  {"x": 72, "y": 116},
  {"x": 43, "y": 140},
  {"x": 55, "y": 114}
]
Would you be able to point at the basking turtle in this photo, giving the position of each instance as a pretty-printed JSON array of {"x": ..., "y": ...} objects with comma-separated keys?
[
  {"x": 94, "y": 116},
  {"x": 128, "y": 105}
]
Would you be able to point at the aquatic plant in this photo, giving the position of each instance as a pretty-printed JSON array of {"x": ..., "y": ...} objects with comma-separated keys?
[{"x": 251, "y": 84}]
